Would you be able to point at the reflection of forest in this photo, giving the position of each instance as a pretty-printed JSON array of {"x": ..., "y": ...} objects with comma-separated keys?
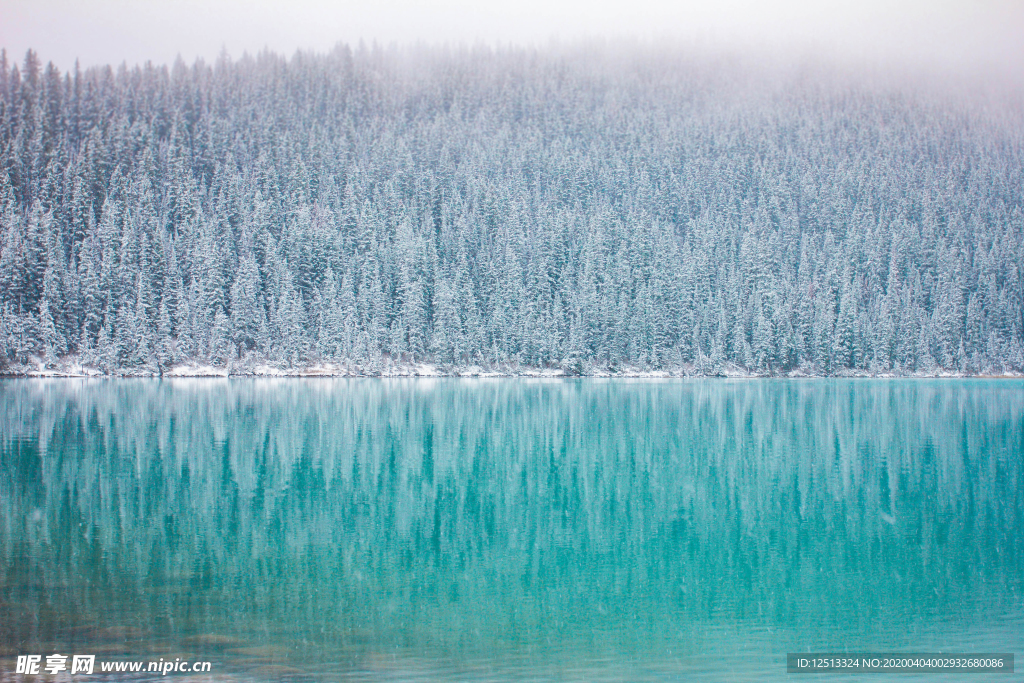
[{"x": 512, "y": 509}]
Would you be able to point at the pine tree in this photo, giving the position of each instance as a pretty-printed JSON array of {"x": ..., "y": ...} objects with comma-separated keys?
[{"x": 247, "y": 313}]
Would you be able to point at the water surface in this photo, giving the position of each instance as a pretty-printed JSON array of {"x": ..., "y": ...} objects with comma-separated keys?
[{"x": 385, "y": 530}]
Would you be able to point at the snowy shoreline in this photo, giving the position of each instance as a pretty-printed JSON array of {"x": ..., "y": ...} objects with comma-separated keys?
[{"x": 387, "y": 368}]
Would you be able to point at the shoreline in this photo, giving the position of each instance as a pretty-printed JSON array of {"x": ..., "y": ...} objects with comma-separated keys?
[{"x": 387, "y": 368}]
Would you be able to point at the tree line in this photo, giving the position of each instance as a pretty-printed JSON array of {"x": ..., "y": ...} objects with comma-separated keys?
[{"x": 578, "y": 208}]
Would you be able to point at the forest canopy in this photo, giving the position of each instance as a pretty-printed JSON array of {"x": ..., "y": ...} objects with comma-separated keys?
[{"x": 581, "y": 209}]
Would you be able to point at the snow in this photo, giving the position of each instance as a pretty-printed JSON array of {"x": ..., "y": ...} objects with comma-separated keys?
[{"x": 72, "y": 367}]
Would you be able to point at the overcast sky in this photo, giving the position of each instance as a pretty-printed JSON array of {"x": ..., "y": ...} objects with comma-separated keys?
[{"x": 954, "y": 34}]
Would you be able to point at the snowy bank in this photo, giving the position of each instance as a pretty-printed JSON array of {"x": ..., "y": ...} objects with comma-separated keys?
[{"x": 387, "y": 367}]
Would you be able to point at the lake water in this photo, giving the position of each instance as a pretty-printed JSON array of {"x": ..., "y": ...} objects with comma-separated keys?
[{"x": 500, "y": 530}]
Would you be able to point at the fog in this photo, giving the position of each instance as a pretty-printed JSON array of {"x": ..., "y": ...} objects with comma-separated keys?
[{"x": 950, "y": 36}]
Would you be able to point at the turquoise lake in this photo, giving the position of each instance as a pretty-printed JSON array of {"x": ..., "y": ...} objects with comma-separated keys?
[{"x": 508, "y": 530}]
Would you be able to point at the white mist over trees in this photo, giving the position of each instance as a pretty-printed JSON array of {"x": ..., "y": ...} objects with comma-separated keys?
[{"x": 578, "y": 209}]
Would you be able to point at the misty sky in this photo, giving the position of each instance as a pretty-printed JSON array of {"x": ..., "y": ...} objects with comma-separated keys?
[{"x": 987, "y": 34}]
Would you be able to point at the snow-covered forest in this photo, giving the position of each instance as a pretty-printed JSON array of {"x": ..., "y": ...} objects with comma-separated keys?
[{"x": 583, "y": 209}]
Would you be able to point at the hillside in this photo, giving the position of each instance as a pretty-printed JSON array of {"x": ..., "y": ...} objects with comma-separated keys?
[{"x": 581, "y": 210}]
